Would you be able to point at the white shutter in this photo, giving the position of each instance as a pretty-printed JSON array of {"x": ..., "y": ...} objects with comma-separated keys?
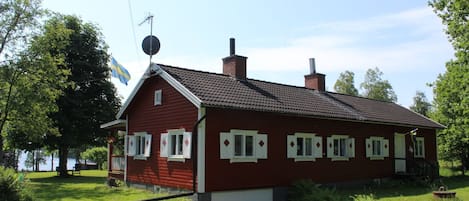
[
  {"x": 147, "y": 150},
  {"x": 131, "y": 146},
  {"x": 317, "y": 147},
  {"x": 369, "y": 147},
  {"x": 385, "y": 147},
  {"x": 186, "y": 144},
  {"x": 164, "y": 145},
  {"x": 351, "y": 147},
  {"x": 261, "y": 146},
  {"x": 291, "y": 146},
  {"x": 226, "y": 146},
  {"x": 330, "y": 148}
]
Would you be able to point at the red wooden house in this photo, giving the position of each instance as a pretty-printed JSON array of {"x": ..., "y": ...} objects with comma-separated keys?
[{"x": 228, "y": 137}]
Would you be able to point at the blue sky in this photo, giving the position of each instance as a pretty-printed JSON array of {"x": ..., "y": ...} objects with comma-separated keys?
[{"x": 404, "y": 39}]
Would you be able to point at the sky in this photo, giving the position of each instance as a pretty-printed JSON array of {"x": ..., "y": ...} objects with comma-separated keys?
[{"x": 403, "y": 38}]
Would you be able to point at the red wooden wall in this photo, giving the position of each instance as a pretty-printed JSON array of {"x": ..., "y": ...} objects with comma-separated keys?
[
  {"x": 174, "y": 113},
  {"x": 277, "y": 170}
]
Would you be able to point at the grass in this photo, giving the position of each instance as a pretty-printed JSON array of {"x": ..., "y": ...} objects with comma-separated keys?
[
  {"x": 411, "y": 191},
  {"x": 90, "y": 185}
]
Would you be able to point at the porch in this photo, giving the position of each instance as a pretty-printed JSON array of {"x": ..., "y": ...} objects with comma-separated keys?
[{"x": 116, "y": 140}]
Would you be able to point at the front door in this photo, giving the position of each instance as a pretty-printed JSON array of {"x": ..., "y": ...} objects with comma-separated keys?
[{"x": 399, "y": 153}]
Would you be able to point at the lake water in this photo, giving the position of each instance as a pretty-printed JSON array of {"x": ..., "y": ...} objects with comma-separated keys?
[{"x": 44, "y": 166}]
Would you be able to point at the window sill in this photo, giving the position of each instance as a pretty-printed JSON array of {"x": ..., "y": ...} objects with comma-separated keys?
[
  {"x": 304, "y": 159},
  {"x": 340, "y": 159},
  {"x": 373, "y": 158},
  {"x": 140, "y": 157},
  {"x": 243, "y": 160},
  {"x": 177, "y": 159}
]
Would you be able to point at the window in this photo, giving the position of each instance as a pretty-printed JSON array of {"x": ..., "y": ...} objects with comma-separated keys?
[
  {"x": 340, "y": 147},
  {"x": 377, "y": 148},
  {"x": 304, "y": 146},
  {"x": 175, "y": 145},
  {"x": 158, "y": 97},
  {"x": 243, "y": 146},
  {"x": 419, "y": 147},
  {"x": 139, "y": 145}
]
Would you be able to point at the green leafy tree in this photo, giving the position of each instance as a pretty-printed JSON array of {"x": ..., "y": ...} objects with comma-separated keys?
[
  {"x": 96, "y": 154},
  {"x": 30, "y": 80},
  {"x": 346, "y": 84},
  {"x": 421, "y": 105},
  {"x": 451, "y": 89},
  {"x": 376, "y": 88},
  {"x": 92, "y": 99}
]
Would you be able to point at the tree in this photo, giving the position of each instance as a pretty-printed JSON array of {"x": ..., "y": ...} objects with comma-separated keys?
[
  {"x": 421, "y": 105},
  {"x": 30, "y": 80},
  {"x": 91, "y": 100},
  {"x": 451, "y": 89},
  {"x": 376, "y": 88},
  {"x": 96, "y": 154},
  {"x": 345, "y": 84}
]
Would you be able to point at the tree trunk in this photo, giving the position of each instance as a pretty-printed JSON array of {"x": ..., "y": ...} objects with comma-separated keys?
[
  {"x": 63, "y": 154},
  {"x": 52, "y": 162},
  {"x": 1, "y": 150}
]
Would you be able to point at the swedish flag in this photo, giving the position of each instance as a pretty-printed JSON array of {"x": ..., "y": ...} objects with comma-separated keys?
[{"x": 118, "y": 71}]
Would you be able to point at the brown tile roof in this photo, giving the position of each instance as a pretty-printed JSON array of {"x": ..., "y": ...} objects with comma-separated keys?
[{"x": 218, "y": 90}]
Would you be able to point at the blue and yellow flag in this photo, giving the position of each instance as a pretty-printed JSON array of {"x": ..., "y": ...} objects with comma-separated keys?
[{"x": 118, "y": 71}]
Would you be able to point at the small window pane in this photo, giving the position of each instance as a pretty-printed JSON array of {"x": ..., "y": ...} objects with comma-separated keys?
[
  {"x": 376, "y": 147},
  {"x": 299, "y": 146},
  {"x": 308, "y": 146},
  {"x": 336, "y": 147},
  {"x": 173, "y": 144},
  {"x": 180, "y": 143},
  {"x": 249, "y": 146},
  {"x": 238, "y": 145},
  {"x": 342, "y": 147}
]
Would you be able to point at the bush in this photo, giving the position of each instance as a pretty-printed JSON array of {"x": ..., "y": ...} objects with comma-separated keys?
[
  {"x": 369, "y": 197},
  {"x": 13, "y": 186},
  {"x": 96, "y": 154},
  {"x": 306, "y": 190}
]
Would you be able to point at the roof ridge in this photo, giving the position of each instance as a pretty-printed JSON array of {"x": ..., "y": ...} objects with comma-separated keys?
[{"x": 249, "y": 79}]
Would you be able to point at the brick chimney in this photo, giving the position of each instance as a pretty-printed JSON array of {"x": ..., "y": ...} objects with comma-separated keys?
[
  {"x": 234, "y": 65},
  {"x": 315, "y": 80}
]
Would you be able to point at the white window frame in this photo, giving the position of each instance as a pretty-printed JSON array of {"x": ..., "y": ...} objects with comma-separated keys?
[
  {"x": 142, "y": 149},
  {"x": 382, "y": 147},
  {"x": 158, "y": 98},
  {"x": 176, "y": 145},
  {"x": 293, "y": 147},
  {"x": 228, "y": 146},
  {"x": 419, "y": 147},
  {"x": 349, "y": 147}
]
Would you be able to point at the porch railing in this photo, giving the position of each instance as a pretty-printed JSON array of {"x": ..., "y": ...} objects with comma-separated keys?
[{"x": 117, "y": 163}]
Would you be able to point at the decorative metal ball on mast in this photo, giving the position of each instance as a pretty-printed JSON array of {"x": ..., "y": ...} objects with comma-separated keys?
[{"x": 150, "y": 44}]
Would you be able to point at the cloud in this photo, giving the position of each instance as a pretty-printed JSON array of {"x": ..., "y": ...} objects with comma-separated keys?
[{"x": 397, "y": 42}]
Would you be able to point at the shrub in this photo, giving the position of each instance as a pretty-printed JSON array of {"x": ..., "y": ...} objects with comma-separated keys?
[
  {"x": 306, "y": 190},
  {"x": 13, "y": 186},
  {"x": 369, "y": 197}
]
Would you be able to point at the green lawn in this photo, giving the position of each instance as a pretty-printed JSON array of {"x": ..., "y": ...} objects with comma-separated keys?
[
  {"x": 395, "y": 191},
  {"x": 408, "y": 191},
  {"x": 90, "y": 185}
]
